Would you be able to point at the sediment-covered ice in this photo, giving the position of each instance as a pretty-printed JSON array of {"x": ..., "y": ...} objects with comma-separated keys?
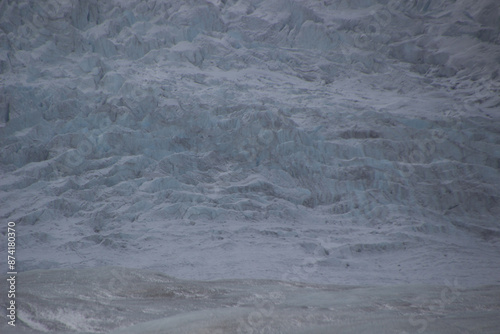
[
  {"x": 137, "y": 301},
  {"x": 340, "y": 142}
]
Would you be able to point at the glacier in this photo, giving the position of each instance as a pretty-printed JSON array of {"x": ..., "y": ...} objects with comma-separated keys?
[
  {"x": 137, "y": 301},
  {"x": 348, "y": 143}
]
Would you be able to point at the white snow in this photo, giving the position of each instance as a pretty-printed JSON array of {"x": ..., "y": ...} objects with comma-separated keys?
[{"x": 329, "y": 142}]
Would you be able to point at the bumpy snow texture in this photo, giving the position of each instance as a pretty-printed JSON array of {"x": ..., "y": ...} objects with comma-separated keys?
[
  {"x": 133, "y": 301},
  {"x": 339, "y": 141}
]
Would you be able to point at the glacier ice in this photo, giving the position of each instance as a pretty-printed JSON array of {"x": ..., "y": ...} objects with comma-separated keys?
[
  {"x": 340, "y": 142},
  {"x": 137, "y": 301}
]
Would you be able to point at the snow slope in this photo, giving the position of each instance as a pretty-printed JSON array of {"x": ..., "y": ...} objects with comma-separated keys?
[
  {"x": 340, "y": 142},
  {"x": 358, "y": 134}
]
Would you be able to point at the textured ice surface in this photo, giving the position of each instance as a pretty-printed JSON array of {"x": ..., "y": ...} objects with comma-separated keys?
[
  {"x": 136, "y": 301},
  {"x": 346, "y": 142}
]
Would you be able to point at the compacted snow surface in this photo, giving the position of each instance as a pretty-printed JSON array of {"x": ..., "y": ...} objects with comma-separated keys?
[{"x": 303, "y": 151}]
